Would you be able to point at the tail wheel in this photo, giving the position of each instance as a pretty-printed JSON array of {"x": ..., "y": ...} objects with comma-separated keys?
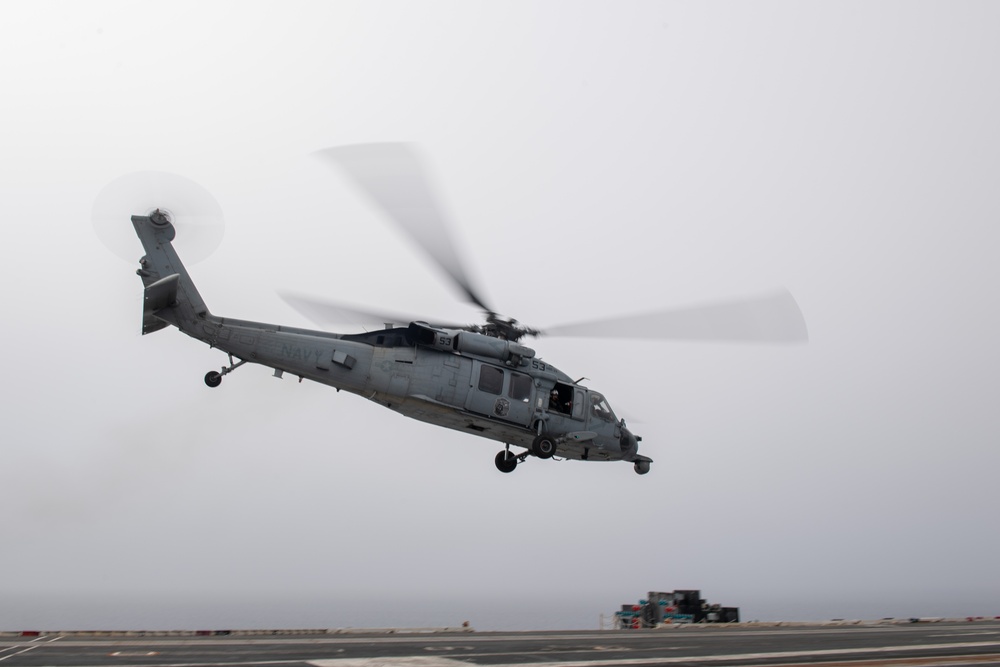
[
  {"x": 543, "y": 446},
  {"x": 213, "y": 378},
  {"x": 506, "y": 461}
]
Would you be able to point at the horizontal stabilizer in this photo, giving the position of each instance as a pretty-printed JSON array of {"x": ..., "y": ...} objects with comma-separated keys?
[
  {"x": 162, "y": 293},
  {"x": 158, "y": 295}
]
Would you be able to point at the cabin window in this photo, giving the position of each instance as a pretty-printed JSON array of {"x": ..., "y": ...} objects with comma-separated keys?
[
  {"x": 490, "y": 380},
  {"x": 520, "y": 387},
  {"x": 561, "y": 399}
]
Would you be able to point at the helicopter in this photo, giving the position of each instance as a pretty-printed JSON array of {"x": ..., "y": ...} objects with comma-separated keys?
[{"x": 474, "y": 378}]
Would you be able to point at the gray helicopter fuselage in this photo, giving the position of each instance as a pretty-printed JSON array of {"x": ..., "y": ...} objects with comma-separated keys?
[{"x": 462, "y": 380}]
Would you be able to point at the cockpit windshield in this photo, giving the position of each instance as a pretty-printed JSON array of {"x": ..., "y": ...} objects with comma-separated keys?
[{"x": 599, "y": 408}]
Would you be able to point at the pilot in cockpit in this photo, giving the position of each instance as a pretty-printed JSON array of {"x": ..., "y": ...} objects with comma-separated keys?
[{"x": 600, "y": 408}]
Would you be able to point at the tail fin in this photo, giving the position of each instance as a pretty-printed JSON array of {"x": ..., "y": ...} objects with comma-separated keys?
[{"x": 170, "y": 296}]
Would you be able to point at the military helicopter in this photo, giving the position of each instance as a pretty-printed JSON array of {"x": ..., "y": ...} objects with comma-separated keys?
[{"x": 478, "y": 378}]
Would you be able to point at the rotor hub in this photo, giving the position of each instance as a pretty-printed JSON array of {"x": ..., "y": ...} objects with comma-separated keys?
[{"x": 160, "y": 216}]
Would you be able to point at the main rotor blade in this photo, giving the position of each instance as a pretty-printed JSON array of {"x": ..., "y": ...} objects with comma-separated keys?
[
  {"x": 324, "y": 313},
  {"x": 394, "y": 177},
  {"x": 771, "y": 318}
]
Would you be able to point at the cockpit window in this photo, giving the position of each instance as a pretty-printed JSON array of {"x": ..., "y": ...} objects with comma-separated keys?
[{"x": 599, "y": 408}]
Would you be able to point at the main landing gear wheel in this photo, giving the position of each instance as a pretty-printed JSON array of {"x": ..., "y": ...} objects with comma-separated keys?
[
  {"x": 641, "y": 467},
  {"x": 506, "y": 461},
  {"x": 543, "y": 447}
]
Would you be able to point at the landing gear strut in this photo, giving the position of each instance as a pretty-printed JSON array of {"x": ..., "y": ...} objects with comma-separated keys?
[{"x": 214, "y": 378}]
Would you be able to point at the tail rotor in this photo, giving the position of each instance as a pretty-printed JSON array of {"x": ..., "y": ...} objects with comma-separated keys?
[{"x": 160, "y": 195}]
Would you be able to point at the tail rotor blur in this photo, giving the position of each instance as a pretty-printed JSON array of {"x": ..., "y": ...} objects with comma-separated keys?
[{"x": 190, "y": 207}]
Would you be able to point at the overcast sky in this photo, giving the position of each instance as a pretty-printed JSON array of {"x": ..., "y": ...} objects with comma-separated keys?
[{"x": 598, "y": 159}]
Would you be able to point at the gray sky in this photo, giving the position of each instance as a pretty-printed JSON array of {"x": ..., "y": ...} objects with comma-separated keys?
[{"x": 599, "y": 159}]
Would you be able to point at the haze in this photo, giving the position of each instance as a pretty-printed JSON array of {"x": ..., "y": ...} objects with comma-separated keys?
[{"x": 598, "y": 159}]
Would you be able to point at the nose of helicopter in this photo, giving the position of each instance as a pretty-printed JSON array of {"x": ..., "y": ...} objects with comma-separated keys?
[{"x": 629, "y": 443}]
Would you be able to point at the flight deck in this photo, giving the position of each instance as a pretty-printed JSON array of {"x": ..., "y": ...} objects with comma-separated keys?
[{"x": 923, "y": 644}]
